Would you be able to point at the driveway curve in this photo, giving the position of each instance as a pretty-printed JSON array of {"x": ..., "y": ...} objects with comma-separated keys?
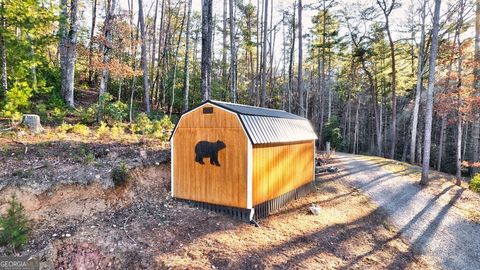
[{"x": 428, "y": 221}]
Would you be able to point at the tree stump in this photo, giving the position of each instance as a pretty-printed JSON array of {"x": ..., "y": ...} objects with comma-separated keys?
[{"x": 32, "y": 121}]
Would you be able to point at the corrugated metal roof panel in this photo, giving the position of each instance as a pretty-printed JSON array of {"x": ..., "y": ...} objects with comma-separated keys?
[
  {"x": 251, "y": 110},
  {"x": 262, "y": 129}
]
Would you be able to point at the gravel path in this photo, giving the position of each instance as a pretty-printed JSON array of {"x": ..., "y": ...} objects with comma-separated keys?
[{"x": 428, "y": 221}]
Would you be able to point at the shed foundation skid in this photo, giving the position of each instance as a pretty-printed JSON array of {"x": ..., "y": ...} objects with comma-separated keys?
[
  {"x": 266, "y": 208},
  {"x": 259, "y": 211}
]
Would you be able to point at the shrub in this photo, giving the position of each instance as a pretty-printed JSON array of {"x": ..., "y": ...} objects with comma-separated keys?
[
  {"x": 117, "y": 130},
  {"x": 116, "y": 111},
  {"x": 14, "y": 227},
  {"x": 103, "y": 130},
  {"x": 89, "y": 158},
  {"x": 475, "y": 183},
  {"x": 64, "y": 128},
  {"x": 57, "y": 115},
  {"x": 142, "y": 124},
  {"x": 161, "y": 128},
  {"x": 87, "y": 115},
  {"x": 81, "y": 130},
  {"x": 42, "y": 112},
  {"x": 120, "y": 175},
  {"x": 18, "y": 99}
]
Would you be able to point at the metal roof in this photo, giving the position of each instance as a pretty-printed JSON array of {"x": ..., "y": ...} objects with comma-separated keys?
[
  {"x": 265, "y": 126},
  {"x": 252, "y": 110},
  {"x": 262, "y": 129}
]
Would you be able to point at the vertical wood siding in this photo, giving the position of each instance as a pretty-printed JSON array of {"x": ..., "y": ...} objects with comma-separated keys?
[
  {"x": 224, "y": 185},
  {"x": 280, "y": 168}
]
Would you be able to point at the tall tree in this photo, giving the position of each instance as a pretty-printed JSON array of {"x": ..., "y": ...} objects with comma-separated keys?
[
  {"x": 154, "y": 43},
  {"x": 68, "y": 50},
  {"x": 143, "y": 60},
  {"x": 418, "y": 89},
  {"x": 90, "y": 43},
  {"x": 476, "y": 121},
  {"x": 224, "y": 43},
  {"x": 431, "y": 84},
  {"x": 459, "y": 91},
  {"x": 186, "y": 69},
  {"x": 301, "y": 91},
  {"x": 290, "y": 65},
  {"x": 387, "y": 9},
  {"x": 233, "y": 53},
  {"x": 263, "y": 66},
  {"x": 207, "y": 29},
  {"x": 107, "y": 46},
  {"x": 3, "y": 51}
]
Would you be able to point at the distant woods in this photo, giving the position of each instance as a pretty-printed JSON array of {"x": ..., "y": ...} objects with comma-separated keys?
[{"x": 391, "y": 78}]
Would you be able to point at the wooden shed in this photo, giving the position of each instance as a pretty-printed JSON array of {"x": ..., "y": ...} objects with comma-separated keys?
[{"x": 241, "y": 160}]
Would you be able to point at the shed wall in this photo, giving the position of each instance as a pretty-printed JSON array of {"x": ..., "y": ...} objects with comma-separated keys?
[
  {"x": 280, "y": 168},
  {"x": 223, "y": 185}
]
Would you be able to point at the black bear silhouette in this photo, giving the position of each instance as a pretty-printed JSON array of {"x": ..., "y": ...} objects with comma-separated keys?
[{"x": 208, "y": 149}]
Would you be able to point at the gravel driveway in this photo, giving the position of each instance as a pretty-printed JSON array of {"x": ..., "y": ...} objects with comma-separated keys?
[{"x": 428, "y": 221}]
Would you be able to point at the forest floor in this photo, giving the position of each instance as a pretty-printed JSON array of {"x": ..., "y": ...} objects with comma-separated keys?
[
  {"x": 441, "y": 220},
  {"x": 80, "y": 220}
]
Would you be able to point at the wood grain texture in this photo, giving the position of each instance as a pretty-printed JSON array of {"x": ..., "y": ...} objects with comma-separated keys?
[
  {"x": 280, "y": 168},
  {"x": 224, "y": 185}
]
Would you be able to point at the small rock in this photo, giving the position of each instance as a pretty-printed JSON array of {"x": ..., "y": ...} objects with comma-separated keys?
[
  {"x": 21, "y": 133},
  {"x": 315, "y": 209},
  {"x": 332, "y": 169},
  {"x": 143, "y": 154},
  {"x": 68, "y": 235},
  {"x": 54, "y": 235},
  {"x": 157, "y": 163},
  {"x": 114, "y": 226}
]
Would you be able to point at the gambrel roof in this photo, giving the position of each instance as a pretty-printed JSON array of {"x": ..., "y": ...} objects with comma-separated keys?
[{"x": 265, "y": 126}]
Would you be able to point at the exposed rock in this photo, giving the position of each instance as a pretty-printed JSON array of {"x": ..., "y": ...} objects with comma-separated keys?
[{"x": 315, "y": 209}]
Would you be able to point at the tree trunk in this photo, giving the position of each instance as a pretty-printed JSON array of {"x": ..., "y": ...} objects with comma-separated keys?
[
  {"x": 186, "y": 70},
  {"x": 476, "y": 122},
  {"x": 69, "y": 43},
  {"x": 207, "y": 28},
  {"x": 431, "y": 85},
  {"x": 263, "y": 67},
  {"x": 146, "y": 89},
  {"x": 233, "y": 54},
  {"x": 154, "y": 43},
  {"x": 290, "y": 65},
  {"x": 459, "y": 95},
  {"x": 175, "y": 64},
  {"x": 356, "y": 129},
  {"x": 3, "y": 54},
  {"x": 300, "y": 63},
  {"x": 441, "y": 143},
  {"x": 386, "y": 12},
  {"x": 106, "y": 47},
  {"x": 418, "y": 91},
  {"x": 90, "y": 44},
  {"x": 224, "y": 44}
]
